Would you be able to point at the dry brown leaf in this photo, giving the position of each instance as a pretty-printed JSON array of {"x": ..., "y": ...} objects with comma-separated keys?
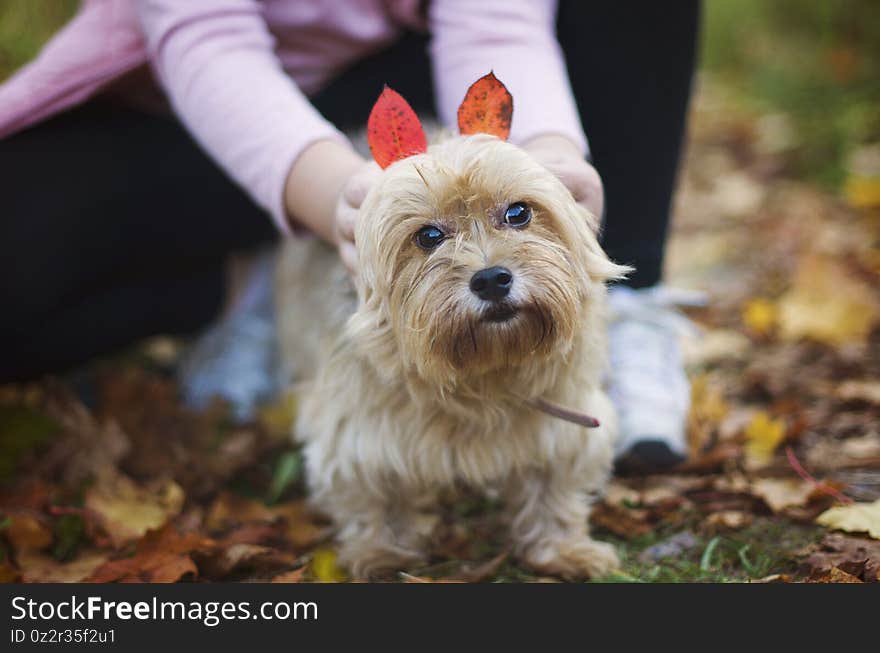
[
  {"x": 41, "y": 568},
  {"x": 624, "y": 522},
  {"x": 853, "y": 518},
  {"x": 221, "y": 561},
  {"x": 854, "y": 555},
  {"x": 729, "y": 520},
  {"x": 295, "y": 576},
  {"x": 27, "y": 531},
  {"x": 619, "y": 493},
  {"x": 161, "y": 556},
  {"x": 834, "y": 575},
  {"x": 482, "y": 571},
  {"x": 782, "y": 493},
  {"x": 855, "y": 390},
  {"x": 130, "y": 510},
  {"x": 300, "y": 526}
]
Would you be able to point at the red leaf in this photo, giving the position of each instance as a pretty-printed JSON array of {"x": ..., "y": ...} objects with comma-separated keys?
[
  {"x": 487, "y": 108},
  {"x": 393, "y": 129}
]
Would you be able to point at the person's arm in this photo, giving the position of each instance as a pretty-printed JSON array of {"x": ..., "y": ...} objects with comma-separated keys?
[
  {"x": 216, "y": 61},
  {"x": 517, "y": 40}
]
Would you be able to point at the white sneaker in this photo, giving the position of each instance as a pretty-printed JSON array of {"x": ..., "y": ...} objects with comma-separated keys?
[
  {"x": 647, "y": 382},
  {"x": 236, "y": 358}
]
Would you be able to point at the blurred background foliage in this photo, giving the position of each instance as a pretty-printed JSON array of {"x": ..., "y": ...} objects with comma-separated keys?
[{"x": 817, "y": 62}]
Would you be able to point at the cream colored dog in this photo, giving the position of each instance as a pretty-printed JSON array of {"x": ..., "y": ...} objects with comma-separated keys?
[{"x": 480, "y": 295}]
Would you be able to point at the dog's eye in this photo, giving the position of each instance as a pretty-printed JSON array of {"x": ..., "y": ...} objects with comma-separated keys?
[
  {"x": 429, "y": 237},
  {"x": 518, "y": 214}
]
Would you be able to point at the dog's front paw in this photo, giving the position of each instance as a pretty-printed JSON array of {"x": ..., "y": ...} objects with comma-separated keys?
[
  {"x": 379, "y": 563},
  {"x": 573, "y": 558}
]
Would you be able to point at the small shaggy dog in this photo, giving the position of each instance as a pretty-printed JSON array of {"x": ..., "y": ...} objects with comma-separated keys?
[{"x": 479, "y": 307}]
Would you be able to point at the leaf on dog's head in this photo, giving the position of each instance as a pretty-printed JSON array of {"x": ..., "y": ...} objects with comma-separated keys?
[
  {"x": 394, "y": 131},
  {"x": 487, "y": 108}
]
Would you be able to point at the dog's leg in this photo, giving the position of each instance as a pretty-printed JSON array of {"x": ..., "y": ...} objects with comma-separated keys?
[
  {"x": 378, "y": 534},
  {"x": 548, "y": 514}
]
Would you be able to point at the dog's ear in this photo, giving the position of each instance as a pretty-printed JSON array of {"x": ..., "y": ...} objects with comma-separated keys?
[
  {"x": 487, "y": 108},
  {"x": 393, "y": 129}
]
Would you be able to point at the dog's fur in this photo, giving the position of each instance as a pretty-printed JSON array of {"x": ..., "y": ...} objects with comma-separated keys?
[{"x": 413, "y": 392}]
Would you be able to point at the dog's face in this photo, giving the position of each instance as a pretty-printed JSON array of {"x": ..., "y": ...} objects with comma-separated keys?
[{"x": 474, "y": 258}]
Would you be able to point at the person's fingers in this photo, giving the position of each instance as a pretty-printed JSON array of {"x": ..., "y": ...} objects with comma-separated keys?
[
  {"x": 583, "y": 182},
  {"x": 346, "y": 218},
  {"x": 348, "y": 254},
  {"x": 359, "y": 185}
]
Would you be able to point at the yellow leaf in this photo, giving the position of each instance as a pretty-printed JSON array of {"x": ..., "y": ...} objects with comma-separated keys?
[
  {"x": 324, "y": 567},
  {"x": 854, "y": 518},
  {"x": 130, "y": 510},
  {"x": 862, "y": 192},
  {"x": 763, "y": 435},
  {"x": 278, "y": 417},
  {"x": 759, "y": 315},
  {"x": 827, "y": 303}
]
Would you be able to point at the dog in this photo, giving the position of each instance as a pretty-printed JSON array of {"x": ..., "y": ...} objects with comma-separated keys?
[{"x": 479, "y": 306}]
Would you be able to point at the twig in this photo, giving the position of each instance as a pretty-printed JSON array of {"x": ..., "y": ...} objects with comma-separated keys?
[{"x": 804, "y": 474}]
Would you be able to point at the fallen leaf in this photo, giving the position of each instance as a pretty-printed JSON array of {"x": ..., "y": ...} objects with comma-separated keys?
[
  {"x": 324, "y": 567},
  {"x": 161, "y": 556},
  {"x": 482, "y": 571},
  {"x": 41, "y": 568},
  {"x": 623, "y": 522},
  {"x": 853, "y": 518},
  {"x": 855, "y": 390},
  {"x": 763, "y": 435},
  {"x": 854, "y": 555},
  {"x": 862, "y": 192},
  {"x": 27, "y": 531},
  {"x": 217, "y": 562},
  {"x": 295, "y": 576},
  {"x": 729, "y": 520},
  {"x": 827, "y": 303},
  {"x": 782, "y": 493},
  {"x": 759, "y": 315},
  {"x": 834, "y": 575},
  {"x": 130, "y": 510}
]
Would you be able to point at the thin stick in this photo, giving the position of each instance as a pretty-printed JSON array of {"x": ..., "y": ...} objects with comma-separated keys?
[
  {"x": 804, "y": 474},
  {"x": 566, "y": 414}
]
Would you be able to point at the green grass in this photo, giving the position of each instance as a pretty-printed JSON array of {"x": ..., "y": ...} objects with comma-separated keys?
[
  {"x": 25, "y": 25},
  {"x": 764, "y": 548},
  {"x": 815, "y": 60}
]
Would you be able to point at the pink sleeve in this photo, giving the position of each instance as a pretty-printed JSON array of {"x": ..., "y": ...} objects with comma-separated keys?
[
  {"x": 216, "y": 61},
  {"x": 516, "y": 39}
]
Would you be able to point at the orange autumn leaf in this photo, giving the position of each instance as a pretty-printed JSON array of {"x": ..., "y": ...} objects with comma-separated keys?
[
  {"x": 487, "y": 108},
  {"x": 162, "y": 556},
  {"x": 394, "y": 131}
]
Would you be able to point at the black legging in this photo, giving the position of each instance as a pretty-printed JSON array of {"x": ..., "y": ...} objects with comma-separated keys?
[{"x": 115, "y": 226}]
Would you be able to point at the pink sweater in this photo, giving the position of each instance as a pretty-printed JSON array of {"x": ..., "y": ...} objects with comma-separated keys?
[{"x": 238, "y": 72}]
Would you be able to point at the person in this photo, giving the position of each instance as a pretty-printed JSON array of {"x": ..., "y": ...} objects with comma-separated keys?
[{"x": 122, "y": 220}]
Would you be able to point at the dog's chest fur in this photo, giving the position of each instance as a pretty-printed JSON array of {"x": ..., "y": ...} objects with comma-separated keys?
[{"x": 356, "y": 424}]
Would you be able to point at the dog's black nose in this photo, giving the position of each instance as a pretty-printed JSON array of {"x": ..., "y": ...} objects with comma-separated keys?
[{"x": 492, "y": 283}]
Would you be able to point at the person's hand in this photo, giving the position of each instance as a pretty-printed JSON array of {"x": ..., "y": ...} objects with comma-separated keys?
[
  {"x": 348, "y": 208},
  {"x": 562, "y": 157},
  {"x": 324, "y": 190}
]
